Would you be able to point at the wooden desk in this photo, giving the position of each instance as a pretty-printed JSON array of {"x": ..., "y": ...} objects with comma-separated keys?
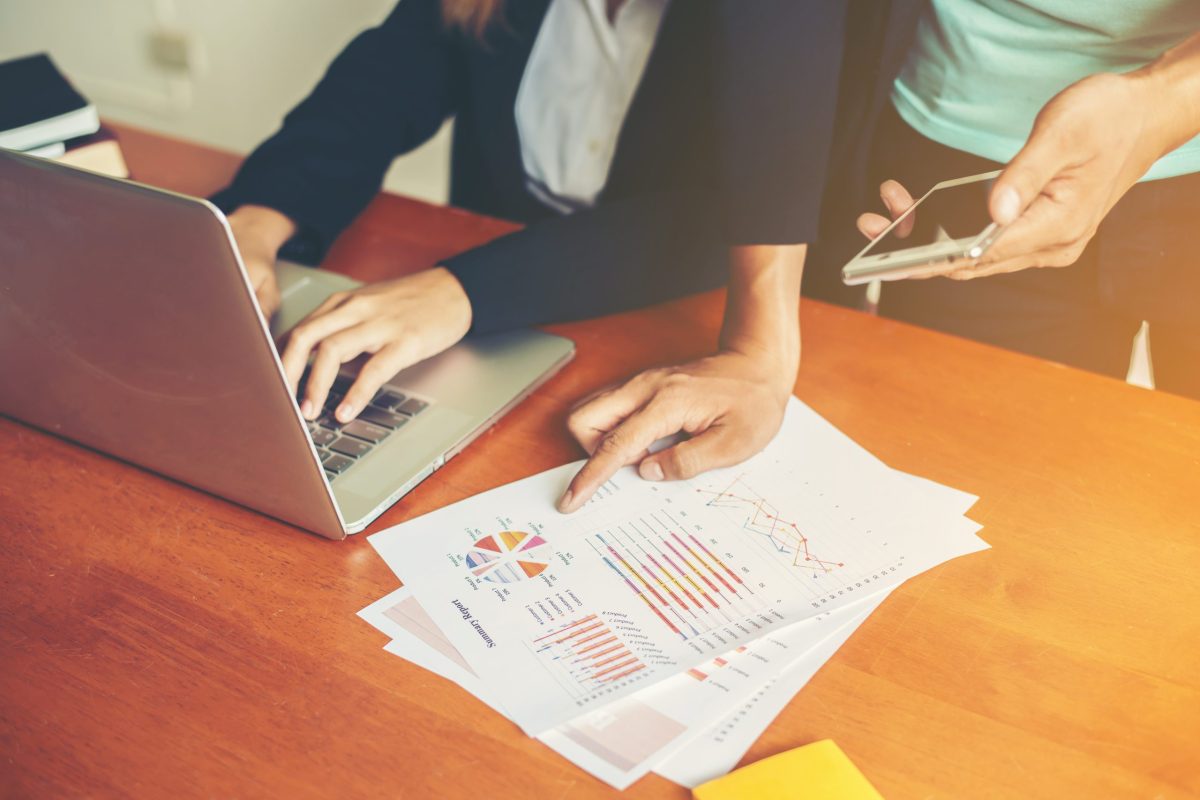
[{"x": 155, "y": 641}]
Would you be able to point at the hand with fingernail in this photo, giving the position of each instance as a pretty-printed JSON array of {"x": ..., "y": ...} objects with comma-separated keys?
[
  {"x": 259, "y": 233},
  {"x": 1089, "y": 145},
  {"x": 395, "y": 323},
  {"x": 728, "y": 405}
]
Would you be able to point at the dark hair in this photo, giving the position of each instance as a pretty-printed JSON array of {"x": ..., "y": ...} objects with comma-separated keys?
[{"x": 472, "y": 16}]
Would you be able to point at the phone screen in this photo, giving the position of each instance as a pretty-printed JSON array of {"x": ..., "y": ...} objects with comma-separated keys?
[{"x": 957, "y": 212}]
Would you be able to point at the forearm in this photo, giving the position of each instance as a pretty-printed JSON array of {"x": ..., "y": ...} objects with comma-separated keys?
[
  {"x": 1174, "y": 81},
  {"x": 762, "y": 312},
  {"x": 385, "y": 94},
  {"x": 624, "y": 254}
]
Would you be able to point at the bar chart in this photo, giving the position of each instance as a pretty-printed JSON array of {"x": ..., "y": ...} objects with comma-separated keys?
[
  {"x": 705, "y": 671},
  {"x": 586, "y": 655},
  {"x": 688, "y": 587}
]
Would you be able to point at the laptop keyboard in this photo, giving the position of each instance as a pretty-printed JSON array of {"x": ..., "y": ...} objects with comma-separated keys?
[{"x": 340, "y": 446}]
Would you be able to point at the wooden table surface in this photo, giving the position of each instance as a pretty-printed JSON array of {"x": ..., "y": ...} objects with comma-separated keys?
[{"x": 155, "y": 641}]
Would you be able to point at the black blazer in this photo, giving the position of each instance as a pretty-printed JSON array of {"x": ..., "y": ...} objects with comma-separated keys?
[{"x": 685, "y": 180}]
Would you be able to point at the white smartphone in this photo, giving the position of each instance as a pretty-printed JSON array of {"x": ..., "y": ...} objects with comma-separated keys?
[{"x": 951, "y": 222}]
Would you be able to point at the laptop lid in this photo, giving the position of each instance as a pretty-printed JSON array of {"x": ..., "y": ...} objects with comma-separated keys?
[{"x": 127, "y": 324}]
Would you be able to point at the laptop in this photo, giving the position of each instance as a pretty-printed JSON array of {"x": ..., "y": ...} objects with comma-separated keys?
[{"x": 127, "y": 324}]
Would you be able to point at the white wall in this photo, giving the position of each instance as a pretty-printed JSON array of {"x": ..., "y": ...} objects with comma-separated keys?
[{"x": 249, "y": 62}]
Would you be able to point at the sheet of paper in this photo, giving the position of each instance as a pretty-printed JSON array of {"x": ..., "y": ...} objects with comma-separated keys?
[
  {"x": 708, "y": 746},
  {"x": 940, "y": 499},
  {"x": 718, "y": 749},
  {"x": 693, "y": 725},
  {"x": 672, "y": 724},
  {"x": 622, "y": 741},
  {"x": 416, "y": 638},
  {"x": 625, "y": 739},
  {"x": 667, "y": 576}
]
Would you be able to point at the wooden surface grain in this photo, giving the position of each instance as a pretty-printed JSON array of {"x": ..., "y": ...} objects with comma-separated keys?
[{"x": 156, "y": 641}]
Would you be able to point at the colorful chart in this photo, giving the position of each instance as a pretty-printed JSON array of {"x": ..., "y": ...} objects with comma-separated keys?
[
  {"x": 687, "y": 586},
  {"x": 586, "y": 654},
  {"x": 712, "y": 666},
  {"x": 763, "y": 519},
  {"x": 509, "y": 556}
]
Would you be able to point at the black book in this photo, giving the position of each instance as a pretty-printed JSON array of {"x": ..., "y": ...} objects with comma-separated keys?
[{"x": 38, "y": 106}]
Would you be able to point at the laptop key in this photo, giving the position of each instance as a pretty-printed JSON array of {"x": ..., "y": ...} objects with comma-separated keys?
[
  {"x": 327, "y": 421},
  {"x": 387, "y": 399},
  {"x": 342, "y": 383},
  {"x": 366, "y": 431},
  {"x": 382, "y": 418},
  {"x": 412, "y": 406},
  {"x": 348, "y": 446},
  {"x": 330, "y": 475},
  {"x": 322, "y": 437},
  {"x": 337, "y": 463}
]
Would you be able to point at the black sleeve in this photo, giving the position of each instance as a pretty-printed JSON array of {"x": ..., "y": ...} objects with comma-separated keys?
[
  {"x": 777, "y": 69},
  {"x": 388, "y": 92},
  {"x": 623, "y": 254}
]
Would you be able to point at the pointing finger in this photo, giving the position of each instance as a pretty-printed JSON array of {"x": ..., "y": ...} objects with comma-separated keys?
[{"x": 626, "y": 444}]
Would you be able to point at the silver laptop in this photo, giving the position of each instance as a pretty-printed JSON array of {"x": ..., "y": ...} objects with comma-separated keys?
[{"x": 127, "y": 324}]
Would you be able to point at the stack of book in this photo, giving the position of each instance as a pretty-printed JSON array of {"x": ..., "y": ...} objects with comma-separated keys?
[{"x": 42, "y": 114}]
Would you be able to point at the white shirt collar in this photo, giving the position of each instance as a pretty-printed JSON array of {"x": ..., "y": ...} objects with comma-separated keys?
[{"x": 579, "y": 83}]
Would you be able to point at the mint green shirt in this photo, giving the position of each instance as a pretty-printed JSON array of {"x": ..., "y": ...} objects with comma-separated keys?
[{"x": 980, "y": 70}]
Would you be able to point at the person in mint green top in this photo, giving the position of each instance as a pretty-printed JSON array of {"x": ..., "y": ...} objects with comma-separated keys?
[
  {"x": 980, "y": 70},
  {"x": 1093, "y": 109}
]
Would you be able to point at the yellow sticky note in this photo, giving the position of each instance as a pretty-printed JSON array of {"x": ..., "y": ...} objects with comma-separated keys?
[{"x": 818, "y": 770}]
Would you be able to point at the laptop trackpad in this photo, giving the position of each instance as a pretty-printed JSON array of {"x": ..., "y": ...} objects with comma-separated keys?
[{"x": 301, "y": 290}]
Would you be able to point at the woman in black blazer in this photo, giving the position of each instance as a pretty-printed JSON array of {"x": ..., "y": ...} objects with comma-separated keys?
[{"x": 672, "y": 204}]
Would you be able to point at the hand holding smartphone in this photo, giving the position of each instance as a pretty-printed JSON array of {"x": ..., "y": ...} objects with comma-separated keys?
[{"x": 946, "y": 227}]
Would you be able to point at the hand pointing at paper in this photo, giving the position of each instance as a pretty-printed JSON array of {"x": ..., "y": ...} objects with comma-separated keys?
[{"x": 729, "y": 404}]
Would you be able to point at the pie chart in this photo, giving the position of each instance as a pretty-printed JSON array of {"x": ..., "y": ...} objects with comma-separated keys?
[{"x": 509, "y": 557}]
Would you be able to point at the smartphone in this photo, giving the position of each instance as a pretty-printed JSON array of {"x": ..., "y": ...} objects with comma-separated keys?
[{"x": 951, "y": 222}]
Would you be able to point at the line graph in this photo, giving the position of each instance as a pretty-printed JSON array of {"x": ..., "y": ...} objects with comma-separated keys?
[{"x": 763, "y": 519}]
